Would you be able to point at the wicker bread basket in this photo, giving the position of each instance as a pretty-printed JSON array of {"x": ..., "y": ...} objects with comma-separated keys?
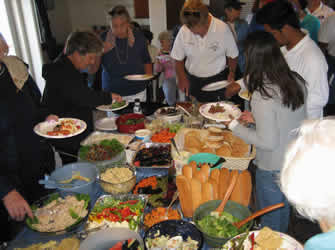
[{"x": 232, "y": 163}]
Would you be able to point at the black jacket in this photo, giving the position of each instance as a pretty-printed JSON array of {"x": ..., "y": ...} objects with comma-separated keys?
[
  {"x": 24, "y": 156},
  {"x": 67, "y": 95}
]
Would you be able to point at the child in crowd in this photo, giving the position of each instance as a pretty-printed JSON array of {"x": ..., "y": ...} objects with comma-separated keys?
[{"x": 165, "y": 63}]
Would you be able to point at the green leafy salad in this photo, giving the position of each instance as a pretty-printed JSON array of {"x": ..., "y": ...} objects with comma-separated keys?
[
  {"x": 116, "y": 105},
  {"x": 220, "y": 225},
  {"x": 105, "y": 150}
]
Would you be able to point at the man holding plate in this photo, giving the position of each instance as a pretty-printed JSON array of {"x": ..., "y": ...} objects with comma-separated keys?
[
  {"x": 66, "y": 92},
  {"x": 209, "y": 47}
]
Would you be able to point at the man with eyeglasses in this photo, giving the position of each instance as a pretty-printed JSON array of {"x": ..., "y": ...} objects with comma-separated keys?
[{"x": 208, "y": 45}]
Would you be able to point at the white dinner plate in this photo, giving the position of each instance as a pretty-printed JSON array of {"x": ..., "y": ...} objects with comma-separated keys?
[
  {"x": 215, "y": 86},
  {"x": 230, "y": 109},
  {"x": 139, "y": 77},
  {"x": 108, "y": 108},
  {"x": 244, "y": 94},
  {"x": 106, "y": 124},
  {"x": 43, "y": 128},
  {"x": 287, "y": 243}
]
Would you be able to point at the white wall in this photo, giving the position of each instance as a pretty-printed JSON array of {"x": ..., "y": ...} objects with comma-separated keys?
[
  {"x": 158, "y": 22},
  {"x": 60, "y": 22}
]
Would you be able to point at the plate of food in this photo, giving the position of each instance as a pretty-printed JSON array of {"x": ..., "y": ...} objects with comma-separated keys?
[
  {"x": 220, "y": 111},
  {"x": 63, "y": 128},
  {"x": 215, "y": 86},
  {"x": 117, "y": 211},
  {"x": 153, "y": 155},
  {"x": 106, "y": 124},
  {"x": 113, "y": 106},
  {"x": 244, "y": 94},
  {"x": 160, "y": 188},
  {"x": 68, "y": 211},
  {"x": 262, "y": 239},
  {"x": 138, "y": 77}
]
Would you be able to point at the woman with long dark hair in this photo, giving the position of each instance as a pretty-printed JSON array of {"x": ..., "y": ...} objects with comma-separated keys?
[{"x": 277, "y": 108}]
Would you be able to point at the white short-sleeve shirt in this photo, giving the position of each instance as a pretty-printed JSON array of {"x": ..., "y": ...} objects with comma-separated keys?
[
  {"x": 205, "y": 56},
  {"x": 327, "y": 34},
  {"x": 308, "y": 61},
  {"x": 322, "y": 12}
]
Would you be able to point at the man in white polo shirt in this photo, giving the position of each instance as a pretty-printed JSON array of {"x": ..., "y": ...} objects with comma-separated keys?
[
  {"x": 318, "y": 9},
  {"x": 208, "y": 45},
  {"x": 300, "y": 51}
]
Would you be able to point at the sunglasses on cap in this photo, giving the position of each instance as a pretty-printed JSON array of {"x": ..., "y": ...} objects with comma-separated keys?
[{"x": 191, "y": 13}]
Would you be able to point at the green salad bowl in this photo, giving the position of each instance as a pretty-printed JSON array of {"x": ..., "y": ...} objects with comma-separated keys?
[{"x": 235, "y": 209}]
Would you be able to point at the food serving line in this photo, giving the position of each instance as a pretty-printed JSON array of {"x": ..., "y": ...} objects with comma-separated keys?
[{"x": 196, "y": 146}]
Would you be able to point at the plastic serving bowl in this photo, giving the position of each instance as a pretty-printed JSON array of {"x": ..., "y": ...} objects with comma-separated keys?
[
  {"x": 231, "y": 207},
  {"x": 128, "y": 128},
  {"x": 119, "y": 188},
  {"x": 85, "y": 169}
]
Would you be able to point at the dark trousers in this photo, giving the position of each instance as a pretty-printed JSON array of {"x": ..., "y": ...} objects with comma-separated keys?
[{"x": 197, "y": 83}]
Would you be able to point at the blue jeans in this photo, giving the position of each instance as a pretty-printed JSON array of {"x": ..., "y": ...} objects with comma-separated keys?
[
  {"x": 268, "y": 193},
  {"x": 170, "y": 90}
]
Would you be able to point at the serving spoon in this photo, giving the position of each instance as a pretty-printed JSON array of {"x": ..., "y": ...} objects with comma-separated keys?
[
  {"x": 233, "y": 180},
  {"x": 258, "y": 213}
]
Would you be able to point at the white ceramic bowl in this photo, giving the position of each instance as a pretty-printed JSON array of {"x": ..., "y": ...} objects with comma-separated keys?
[
  {"x": 143, "y": 134},
  {"x": 168, "y": 118}
]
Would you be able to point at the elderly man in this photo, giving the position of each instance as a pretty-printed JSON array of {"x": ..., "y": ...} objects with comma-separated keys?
[
  {"x": 208, "y": 45},
  {"x": 66, "y": 92},
  {"x": 300, "y": 51}
]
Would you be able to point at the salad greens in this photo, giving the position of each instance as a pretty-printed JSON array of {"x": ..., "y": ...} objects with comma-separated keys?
[
  {"x": 118, "y": 104},
  {"x": 220, "y": 225},
  {"x": 118, "y": 211}
]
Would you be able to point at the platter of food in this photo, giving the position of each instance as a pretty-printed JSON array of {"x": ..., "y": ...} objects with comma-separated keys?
[
  {"x": 129, "y": 123},
  {"x": 244, "y": 94},
  {"x": 102, "y": 151},
  {"x": 263, "y": 239},
  {"x": 220, "y": 111},
  {"x": 138, "y": 77},
  {"x": 59, "y": 213},
  {"x": 173, "y": 234},
  {"x": 96, "y": 137},
  {"x": 113, "y": 106},
  {"x": 159, "y": 188},
  {"x": 106, "y": 124},
  {"x": 63, "y": 128},
  {"x": 215, "y": 86},
  {"x": 153, "y": 155},
  {"x": 160, "y": 214},
  {"x": 117, "y": 211}
]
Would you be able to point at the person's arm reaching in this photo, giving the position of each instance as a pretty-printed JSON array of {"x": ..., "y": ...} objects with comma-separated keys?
[
  {"x": 232, "y": 64},
  {"x": 183, "y": 82}
]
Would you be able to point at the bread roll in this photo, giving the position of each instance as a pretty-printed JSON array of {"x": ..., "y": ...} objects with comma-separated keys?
[
  {"x": 192, "y": 140},
  {"x": 207, "y": 192},
  {"x": 215, "y": 188},
  {"x": 194, "y": 166},
  {"x": 200, "y": 176},
  {"x": 206, "y": 149},
  {"x": 224, "y": 150},
  {"x": 239, "y": 148},
  {"x": 243, "y": 188},
  {"x": 213, "y": 144},
  {"x": 196, "y": 193},
  {"x": 205, "y": 169},
  {"x": 223, "y": 182},
  {"x": 193, "y": 150},
  {"x": 215, "y": 175},
  {"x": 187, "y": 171},
  {"x": 214, "y": 131},
  {"x": 228, "y": 136},
  {"x": 185, "y": 195}
]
